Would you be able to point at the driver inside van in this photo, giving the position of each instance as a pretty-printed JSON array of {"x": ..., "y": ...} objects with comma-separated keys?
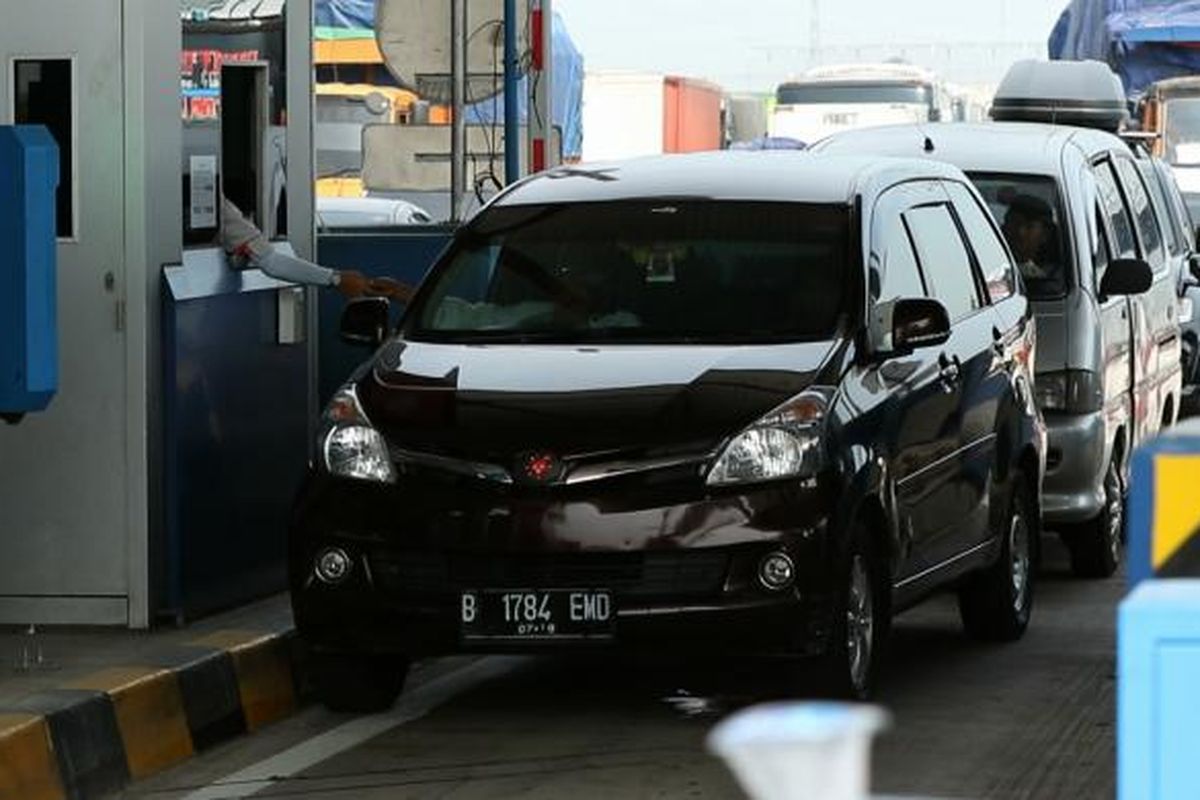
[{"x": 1029, "y": 229}]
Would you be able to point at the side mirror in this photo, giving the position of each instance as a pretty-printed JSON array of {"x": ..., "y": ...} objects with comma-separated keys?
[
  {"x": 1194, "y": 265},
  {"x": 1126, "y": 276},
  {"x": 917, "y": 323},
  {"x": 365, "y": 321}
]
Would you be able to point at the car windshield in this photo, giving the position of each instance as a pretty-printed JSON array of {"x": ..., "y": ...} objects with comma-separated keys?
[
  {"x": 1030, "y": 215},
  {"x": 642, "y": 272},
  {"x": 890, "y": 93},
  {"x": 1182, "y": 135}
]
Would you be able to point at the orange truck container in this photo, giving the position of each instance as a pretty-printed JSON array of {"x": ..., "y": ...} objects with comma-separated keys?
[{"x": 691, "y": 115}]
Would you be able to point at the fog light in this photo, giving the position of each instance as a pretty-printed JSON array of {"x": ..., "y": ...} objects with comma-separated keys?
[
  {"x": 333, "y": 565},
  {"x": 776, "y": 571}
]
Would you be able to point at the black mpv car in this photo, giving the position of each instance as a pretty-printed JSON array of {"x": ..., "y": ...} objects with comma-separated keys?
[{"x": 737, "y": 401}]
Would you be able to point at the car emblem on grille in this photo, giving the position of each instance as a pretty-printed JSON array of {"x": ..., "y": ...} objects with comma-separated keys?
[{"x": 539, "y": 467}]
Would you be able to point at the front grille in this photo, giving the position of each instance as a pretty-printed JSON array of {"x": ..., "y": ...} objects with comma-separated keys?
[{"x": 684, "y": 573}]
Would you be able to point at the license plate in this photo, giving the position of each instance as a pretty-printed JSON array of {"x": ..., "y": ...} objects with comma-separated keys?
[{"x": 537, "y": 614}]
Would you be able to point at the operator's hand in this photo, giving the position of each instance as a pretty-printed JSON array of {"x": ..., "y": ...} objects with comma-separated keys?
[
  {"x": 352, "y": 283},
  {"x": 390, "y": 287}
]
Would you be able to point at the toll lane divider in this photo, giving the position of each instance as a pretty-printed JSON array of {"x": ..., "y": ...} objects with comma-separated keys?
[{"x": 97, "y": 733}]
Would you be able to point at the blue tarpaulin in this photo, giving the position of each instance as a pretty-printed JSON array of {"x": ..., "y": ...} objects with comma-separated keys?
[
  {"x": 1144, "y": 41},
  {"x": 355, "y": 14}
]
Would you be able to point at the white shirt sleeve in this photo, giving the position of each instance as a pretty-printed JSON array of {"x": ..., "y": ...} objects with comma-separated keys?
[{"x": 284, "y": 267}]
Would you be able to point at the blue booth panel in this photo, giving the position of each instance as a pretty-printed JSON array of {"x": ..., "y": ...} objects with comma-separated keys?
[
  {"x": 28, "y": 260},
  {"x": 1158, "y": 709},
  {"x": 235, "y": 406},
  {"x": 404, "y": 254}
]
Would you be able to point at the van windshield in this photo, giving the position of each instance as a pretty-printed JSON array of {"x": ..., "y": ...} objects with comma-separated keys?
[
  {"x": 854, "y": 93},
  {"x": 1030, "y": 216},
  {"x": 642, "y": 272}
]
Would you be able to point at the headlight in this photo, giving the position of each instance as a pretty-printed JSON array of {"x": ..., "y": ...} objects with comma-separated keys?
[
  {"x": 351, "y": 447},
  {"x": 1074, "y": 391},
  {"x": 784, "y": 444}
]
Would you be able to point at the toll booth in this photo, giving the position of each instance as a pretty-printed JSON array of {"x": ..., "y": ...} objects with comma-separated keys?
[
  {"x": 86, "y": 498},
  {"x": 1159, "y": 622},
  {"x": 28, "y": 274}
]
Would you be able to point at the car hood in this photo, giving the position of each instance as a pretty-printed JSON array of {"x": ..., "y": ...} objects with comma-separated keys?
[{"x": 495, "y": 402}]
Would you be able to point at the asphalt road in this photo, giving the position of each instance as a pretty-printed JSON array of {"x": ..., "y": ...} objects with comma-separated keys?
[{"x": 1027, "y": 720}]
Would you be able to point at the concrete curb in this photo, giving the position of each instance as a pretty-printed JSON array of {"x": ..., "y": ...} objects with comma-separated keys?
[{"x": 97, "y": 734}]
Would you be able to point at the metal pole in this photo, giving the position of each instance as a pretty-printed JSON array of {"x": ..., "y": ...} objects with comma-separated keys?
[
  {"x": 458, "y": 97},
  {"x": 512, "y": 103}
]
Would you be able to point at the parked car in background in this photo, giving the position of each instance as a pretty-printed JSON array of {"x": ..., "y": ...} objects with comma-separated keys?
[
  {"x": 748, "y": 402},
  {"x": 368, "y": 212},
  {"x": 1180, "y": 236},
  {"x": 1077, "y": 214}
]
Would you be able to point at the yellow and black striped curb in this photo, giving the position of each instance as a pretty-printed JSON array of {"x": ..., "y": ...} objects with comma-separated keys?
[{"x": 94, "y": 735}]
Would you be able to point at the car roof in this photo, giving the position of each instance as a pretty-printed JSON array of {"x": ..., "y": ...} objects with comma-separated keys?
[
  {"x": 765, "y": 175},
  {"x": 1027, "y": 147}
]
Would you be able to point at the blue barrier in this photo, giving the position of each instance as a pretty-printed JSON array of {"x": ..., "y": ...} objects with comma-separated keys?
[
  {"x": 28, "y": 263},
  {"x": 1159, "y": 623},
  {"x": 405, "y": 255}
]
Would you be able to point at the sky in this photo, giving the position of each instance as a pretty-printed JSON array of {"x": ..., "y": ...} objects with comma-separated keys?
[{"x": 752, "y": 45}]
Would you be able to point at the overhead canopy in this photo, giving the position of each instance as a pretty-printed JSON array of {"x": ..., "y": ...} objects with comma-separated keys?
[{"x": 1144, "y": 41}]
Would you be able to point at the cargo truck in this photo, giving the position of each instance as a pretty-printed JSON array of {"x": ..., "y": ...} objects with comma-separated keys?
[{"x": 629, "y": 114}]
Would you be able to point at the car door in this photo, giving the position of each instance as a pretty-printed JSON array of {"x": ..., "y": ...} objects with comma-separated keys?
[
  {"x": 1161, "y": 302},
  {"x": 959, "y": 512},
  {"x": 1115, "y": 239},
  {"x": 1159, "y": 305},
  {"x": 1008, "y": 369},
  {"x": 918, "y": 408}
]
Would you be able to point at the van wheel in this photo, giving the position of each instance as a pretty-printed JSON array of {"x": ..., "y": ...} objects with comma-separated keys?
[
  {"x": 860, "y": 624},
  {"x": 1095, "y": 546},
  {"x": 995, "y": 604},
  {"x": 357, "y": 683}
]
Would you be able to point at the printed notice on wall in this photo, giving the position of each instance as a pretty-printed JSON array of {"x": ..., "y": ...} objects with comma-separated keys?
[{"x": 204, "y": 192}]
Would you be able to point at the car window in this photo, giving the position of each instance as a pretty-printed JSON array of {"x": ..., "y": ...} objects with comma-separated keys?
[
  {"x": 1143, "y": 213},
  {"x": 990, "y": 254},
  {"x": 1115, "y": 210},
  {"x": 1102, "y": 255},
  {"x": 1030, "y": 215},
  {"x": 943, "y": 259},
  {"x": 1162, "y": 207},
  {"x": 900, "y": 276},
  {"x": 651, "y": 271},
  {"x": 1186, "y": 229}
]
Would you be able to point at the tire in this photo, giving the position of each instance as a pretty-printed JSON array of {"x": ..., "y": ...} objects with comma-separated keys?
[
  {"x": 357, "y": 683},
  {"x": 1095, "y": 546},
  {"x": 995, "y": 605},
  {"x": 860, "y": 623}
]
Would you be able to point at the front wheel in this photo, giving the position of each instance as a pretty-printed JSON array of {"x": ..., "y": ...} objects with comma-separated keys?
[
  {"x": 860, "y": 623},
  {"x": 1095, "y": 546},
  {"x": 996, "y": 604},
  {"x": 357, "y": 683}
]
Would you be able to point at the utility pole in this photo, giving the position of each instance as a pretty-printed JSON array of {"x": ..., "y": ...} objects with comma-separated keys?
[
  {"x": 458, "y": 105},
  {"x": 541, "y": 120},
  {"x": 512, "y": 78}
]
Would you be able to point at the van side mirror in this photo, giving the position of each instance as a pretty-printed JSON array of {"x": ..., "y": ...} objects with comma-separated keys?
[
  {"x": 1194, "y": 266},
  {"x": 917, "y": 323},
  {"x": 1126, "y": 276},
  {"x": 365, "y": 321}
]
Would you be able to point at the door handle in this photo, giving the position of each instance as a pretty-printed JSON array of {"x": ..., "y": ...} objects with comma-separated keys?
[{"x": 949, "y": 372}]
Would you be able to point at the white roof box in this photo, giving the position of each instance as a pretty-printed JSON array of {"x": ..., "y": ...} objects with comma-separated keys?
[{"x": 1083, "y": 93}]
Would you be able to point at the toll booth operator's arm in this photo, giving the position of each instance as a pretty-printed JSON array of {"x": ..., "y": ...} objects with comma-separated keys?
[{"x": 246, "y": 243}]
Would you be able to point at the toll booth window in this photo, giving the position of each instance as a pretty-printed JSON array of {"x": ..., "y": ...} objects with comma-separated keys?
[{"x": 43, "y": 95}]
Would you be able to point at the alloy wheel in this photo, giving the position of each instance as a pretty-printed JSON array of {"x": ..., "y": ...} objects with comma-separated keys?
[
  {"x": 860, "y": 623},
  {"x": 1018, "y": 548}
]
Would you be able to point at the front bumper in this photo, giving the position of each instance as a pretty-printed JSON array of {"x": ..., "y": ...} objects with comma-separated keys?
[
  {"x": 1077, "y": 455},
  {"x": 682, "y": 573}
]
